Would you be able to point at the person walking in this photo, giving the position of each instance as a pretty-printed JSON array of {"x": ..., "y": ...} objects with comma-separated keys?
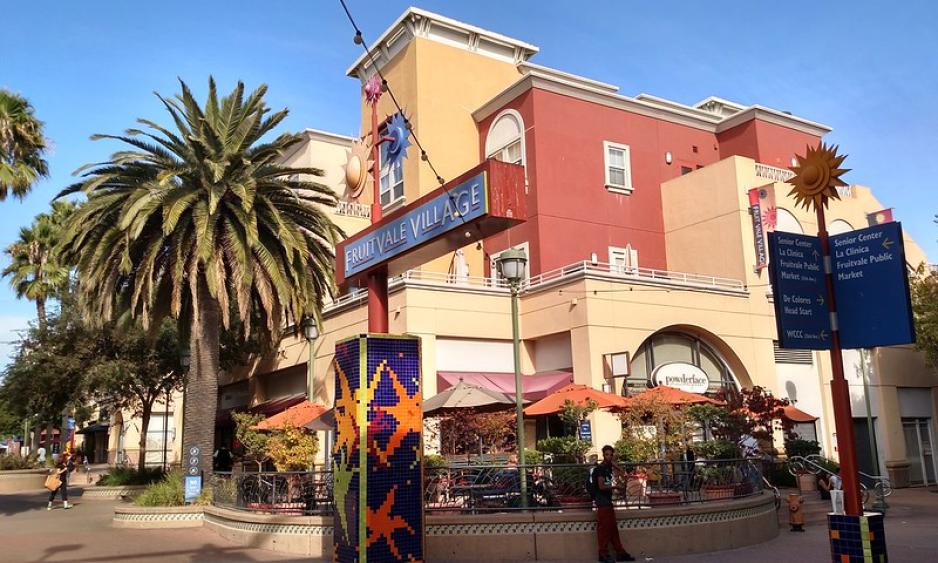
[
  {"x": 607, "y": 531},
  {"x": 63, "y": 467}
]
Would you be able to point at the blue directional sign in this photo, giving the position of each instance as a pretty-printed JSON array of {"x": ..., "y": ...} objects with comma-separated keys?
[
  {"x": 193, "y": 488},
  {"x": 871, "y": 285},
  {"x": 797, "y": 274}
]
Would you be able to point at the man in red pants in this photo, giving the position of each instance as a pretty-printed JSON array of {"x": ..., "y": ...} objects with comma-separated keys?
[{"x": 606, "y": 529}]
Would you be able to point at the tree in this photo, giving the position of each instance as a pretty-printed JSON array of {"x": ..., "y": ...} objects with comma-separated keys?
[
  {"x": 134, "y": 370},
  {"x": 47, "y": 374},
  {"x": 200, "y": 221},
  {"x": 755, "y": 412},
  {"x": 292, "y": 448},
  {"x": 653, "y": 429},
  {"x": 923, "y": 285},
  {"x": 252, "y": 440},
  {"x": 35, "y": 270},
  {"x": 22, "y": 146}
]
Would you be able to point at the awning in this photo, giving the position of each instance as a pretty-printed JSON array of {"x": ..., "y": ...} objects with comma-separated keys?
[
  {"x": 298, "y": 416},
  {"x": 534, "y": 387},
  {"x": 267, "y": 408},
  {"x": 92, "y": 428},
  {"x": 794, "y": 414}
]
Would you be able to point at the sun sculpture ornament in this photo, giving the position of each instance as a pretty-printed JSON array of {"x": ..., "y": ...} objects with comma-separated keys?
[
  {"x": 817, "y": 176},
  {"x": 358, "y": 163}
]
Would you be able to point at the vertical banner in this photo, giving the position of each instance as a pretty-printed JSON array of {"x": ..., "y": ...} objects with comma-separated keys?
[
  {"x": 764, "y": 216},
  {"x": 377, "y": 483}
]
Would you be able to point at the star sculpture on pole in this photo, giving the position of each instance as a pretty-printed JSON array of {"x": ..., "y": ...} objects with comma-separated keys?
[{"x": 817, "y": 176}]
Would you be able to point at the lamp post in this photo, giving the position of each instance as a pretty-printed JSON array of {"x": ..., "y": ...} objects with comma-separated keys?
[
  {"x": 511, "y": 264},
  {"x": 311, "y": 332},
  {"x": 185, "y": 358}
]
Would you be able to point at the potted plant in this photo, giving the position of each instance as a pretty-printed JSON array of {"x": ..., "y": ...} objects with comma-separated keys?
[
  {"x": 717, "y": 482},
  {"x": 807, "y": 480},
  {"x": 658, "y": 498}
]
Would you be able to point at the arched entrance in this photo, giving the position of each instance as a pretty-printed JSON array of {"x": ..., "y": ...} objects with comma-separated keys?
[{"x": 687, "y": 357}]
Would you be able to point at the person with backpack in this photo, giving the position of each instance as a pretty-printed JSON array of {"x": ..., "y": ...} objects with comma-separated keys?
[{"x": 600, "y": 485}]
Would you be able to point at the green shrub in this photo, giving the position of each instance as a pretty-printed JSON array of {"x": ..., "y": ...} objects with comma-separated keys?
[
  {"x": 635, "y": 450},
  {"x": 433, "y": 461},
  {"x": 716, "y": 449},
  {"x": 571, "y": 480},
  {"x": 801, "y": 448},
  {"x": 14, "y": 462},
  {"x": 533, "y": 457},
  {"x": 166, "y": 492},
  {"x": 778, "y": 475},
  {"x": 828, "y": 464},
  {"x": 567, "y": 449},
  {"x": 126, "y": 476}
]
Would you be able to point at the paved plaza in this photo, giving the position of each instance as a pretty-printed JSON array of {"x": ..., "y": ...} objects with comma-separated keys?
[{"x": 29, "y": 533}]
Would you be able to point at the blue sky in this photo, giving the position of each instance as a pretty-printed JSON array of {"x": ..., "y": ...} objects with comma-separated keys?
[{"x": 867, "y": 69}]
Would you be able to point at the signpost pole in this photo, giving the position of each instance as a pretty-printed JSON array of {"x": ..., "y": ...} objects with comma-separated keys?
[
  {"x": 840, "y": 391},
  {"x": 378, "y": 280}
]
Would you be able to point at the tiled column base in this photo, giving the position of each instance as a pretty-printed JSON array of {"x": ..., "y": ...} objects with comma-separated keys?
[{"x": 857, "y": 539}]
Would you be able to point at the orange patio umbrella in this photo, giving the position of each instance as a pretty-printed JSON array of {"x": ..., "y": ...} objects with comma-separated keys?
[
  {"x": 298, "y": 415},
  {"x": 578, "y": 394},
  {"x": 677, "y": 397}
]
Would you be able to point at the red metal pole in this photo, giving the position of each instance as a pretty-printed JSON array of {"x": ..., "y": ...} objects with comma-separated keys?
[
  {"x": 840, "y": 391},
  {"x": 377, "y": 281}
]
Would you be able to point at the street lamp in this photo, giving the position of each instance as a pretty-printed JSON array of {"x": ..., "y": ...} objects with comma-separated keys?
[
  {"x": 511, "y": 264},
  {"x": 311, "y": 332}
]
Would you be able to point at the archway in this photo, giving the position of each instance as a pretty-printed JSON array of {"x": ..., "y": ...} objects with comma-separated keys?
[{"x": 701, "y": 352}]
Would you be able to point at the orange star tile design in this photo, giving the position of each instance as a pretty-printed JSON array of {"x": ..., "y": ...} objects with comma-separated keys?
[
  {"x": 382, "y": 524},
  {"x": 345, "y": 413},
  {"x": 405, "y": 412}
]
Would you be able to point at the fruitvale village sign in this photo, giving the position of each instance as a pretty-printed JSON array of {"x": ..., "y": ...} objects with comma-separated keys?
[{"x": 484, "y": 201}]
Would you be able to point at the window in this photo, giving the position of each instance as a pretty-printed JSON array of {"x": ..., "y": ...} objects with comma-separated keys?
[
  {"x": 668, "y": 347},
  {"x": 618, "y": 168},
  {"x": 505, "y": 141},
  {"x": 623, "y": 260},
  {"x": 392, "y": 179}
]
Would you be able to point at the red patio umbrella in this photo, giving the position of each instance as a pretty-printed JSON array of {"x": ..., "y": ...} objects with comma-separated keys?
[
  {"x": 298, "y": 415},
  {"x": 579, "y": 395},
  {"x": 677, "y": 397}
]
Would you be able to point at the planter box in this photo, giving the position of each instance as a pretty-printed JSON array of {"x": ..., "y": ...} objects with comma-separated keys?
[
  {"x": 807, "y": 483},
  {"x": 21, "y": 480},
  {"x": 156, "y": 517},
  {"x": 714, "y": 492},
  {"x": 574, "y": 500},
  {"x": 662, "y": 498},
  {"x": 118, "y": 492}
]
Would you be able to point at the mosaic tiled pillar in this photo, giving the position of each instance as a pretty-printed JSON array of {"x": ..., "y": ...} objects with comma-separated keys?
[
  {"x": 857, "y": 539},
  {"x": 377, "y": 482}
]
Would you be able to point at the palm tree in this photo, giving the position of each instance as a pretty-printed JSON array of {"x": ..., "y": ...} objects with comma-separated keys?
[
  {"x": 35, "y": 270},
  {"x": 204, "y": 224},
  {"x": 22, "y": 145}
]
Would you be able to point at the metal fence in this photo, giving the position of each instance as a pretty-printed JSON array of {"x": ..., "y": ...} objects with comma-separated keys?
[
  {"x": 557, "y": 486},
  {"x": 497, "y": 487},
  {"x": 294, "y": 493}
]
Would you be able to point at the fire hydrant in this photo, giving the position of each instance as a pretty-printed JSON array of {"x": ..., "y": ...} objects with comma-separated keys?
[{"x": 795, "y": 513}]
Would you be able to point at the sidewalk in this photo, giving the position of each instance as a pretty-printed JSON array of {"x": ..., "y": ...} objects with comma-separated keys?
[
  {"x": 28, "y": 533},
  {"x": 84, "y": 535}
]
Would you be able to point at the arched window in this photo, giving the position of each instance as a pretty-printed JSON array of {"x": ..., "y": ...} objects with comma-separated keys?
[
  {"x": 677, "y": 348},
  {"x": 505, "y": 140},
  {"x": 838, "y": 227},
  {"x": 787, "y": 223}
]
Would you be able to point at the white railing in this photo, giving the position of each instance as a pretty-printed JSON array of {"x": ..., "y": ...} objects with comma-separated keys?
[
  {"x": 601, "y": 269},
  {"x": 639, "y": 274}
]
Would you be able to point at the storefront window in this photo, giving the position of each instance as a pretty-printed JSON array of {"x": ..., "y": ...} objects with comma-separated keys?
[{"x": 677, "y": 348}]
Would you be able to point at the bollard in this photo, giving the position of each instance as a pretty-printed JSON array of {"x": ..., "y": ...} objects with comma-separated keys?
[{"x": 795, "y": 513}]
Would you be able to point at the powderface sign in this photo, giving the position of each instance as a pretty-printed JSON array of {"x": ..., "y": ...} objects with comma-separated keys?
[
  {"x": 872, "y": 289},
  {"x": 483, "y": 202},
  {"x": 683, "y": 376},
  {"x": 797, "y": 275}
]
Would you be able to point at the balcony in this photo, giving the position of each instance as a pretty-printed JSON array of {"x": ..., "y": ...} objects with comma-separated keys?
[{"x": 577, "y": 270}]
